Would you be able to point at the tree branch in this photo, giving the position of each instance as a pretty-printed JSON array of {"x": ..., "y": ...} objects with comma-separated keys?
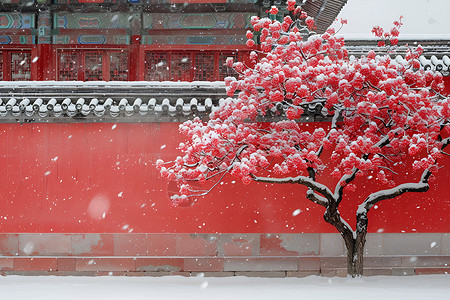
[
  {"x": 339, "y": 190},
  {"x": 306, "y": 181},
  {"x": 311, "y": 195},
  {"x": 445, "y": 143},
  {"x": 372, "y": 199},
  {"x": 333, "y": 126},
  {"x": 347, "y": 178},
  {"x": 333, "y": 217},
  {"x": 204, "y": 193}
]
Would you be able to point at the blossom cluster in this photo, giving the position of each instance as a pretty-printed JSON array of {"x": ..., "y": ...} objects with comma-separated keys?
[
  {"x": 385, "y": 110},
  {"x": 388, "y": 37}
]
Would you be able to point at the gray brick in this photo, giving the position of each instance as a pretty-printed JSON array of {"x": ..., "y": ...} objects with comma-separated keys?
[
  {"x": 412, "y": 244},
  {"x": 333, "y": 272},
  {"x": 374, "y": 244},
  {"x": 203, "y": 264},
  {"x": 212, "y": 274},
  {"x": 30, "y": 273},
  {"x": 238, "y": 244},
  {"x": 94, "y": 244},
  {"x": 289, "y": 244},
  {"x": 308, "y": 263},
  {"x": 302, "y": 273},
  {"x": 445, "y": 250},
  {"x": 45, "y": 244},
  {"x": 332, "y": 244},
  {"x": 333, "y": 262},
  {"x": 261, "y": 264},
  {"x": 160, "y": 274},
  {"x": 377, "y": 272},
  {"x": 262, "y": 274},
  {"x": 403, "y": 271},
  {"x": 9, "y": 244},
  {"x": 426, "y": 261},
  {"x": 393, "y": 261}
]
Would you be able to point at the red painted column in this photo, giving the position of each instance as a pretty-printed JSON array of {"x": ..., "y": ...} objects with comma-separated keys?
[
  {"x": 35, "y": 65},
  {"x": 41, "y": 56},
  {"x": 134, "y": 74},
  {"x": 42, "y": 67}
]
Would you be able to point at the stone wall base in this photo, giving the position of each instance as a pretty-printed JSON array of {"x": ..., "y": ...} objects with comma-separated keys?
[
  {"x": 228, "y": 254},
  {"x": 220, "y": 267}
]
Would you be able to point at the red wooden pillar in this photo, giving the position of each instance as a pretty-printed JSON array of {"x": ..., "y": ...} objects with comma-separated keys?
[
  {"x": 41, "y": 54},
  {"x": 41, "y": 62},
  {"x": 35, "y": 64},
  {"x": 133, "y": 69}
]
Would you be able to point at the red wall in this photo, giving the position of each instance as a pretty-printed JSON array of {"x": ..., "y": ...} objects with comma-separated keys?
[{"x": 63, "y": 177}]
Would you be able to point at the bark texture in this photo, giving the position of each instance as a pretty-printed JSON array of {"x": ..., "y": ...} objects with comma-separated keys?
[{"x": 354, "y": 241}]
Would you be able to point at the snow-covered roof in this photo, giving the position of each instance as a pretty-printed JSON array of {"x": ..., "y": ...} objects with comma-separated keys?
[
  {"x": 53, "y": 101},
  {"x": 146, "y": 101},
  {"x": 436, "y": 55},
  {"x": 323, "y": 11}
]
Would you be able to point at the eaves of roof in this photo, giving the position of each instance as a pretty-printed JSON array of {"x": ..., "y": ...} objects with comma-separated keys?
[
  {"x": 323, "y": 11},
  {"x": 50, "y": 101},
  {"x": 436, "y": 54}
]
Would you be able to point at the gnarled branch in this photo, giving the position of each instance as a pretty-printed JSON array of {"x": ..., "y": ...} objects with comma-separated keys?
[
  {"x": 311, "y": 195},
  {"x": 306, "y": 181},
  {"x": 339, "y": 190},
  {"x": 372, "y": 199}
]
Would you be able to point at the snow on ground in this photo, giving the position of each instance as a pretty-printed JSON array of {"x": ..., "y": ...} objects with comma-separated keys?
[{"x": 423, "y": 287}]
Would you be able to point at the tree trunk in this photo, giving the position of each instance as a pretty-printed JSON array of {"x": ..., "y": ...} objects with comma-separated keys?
[
  {"x": 354, "y": 241},
  {"x": 355, "y": 255},
  {"x": 355, "y": 247}
]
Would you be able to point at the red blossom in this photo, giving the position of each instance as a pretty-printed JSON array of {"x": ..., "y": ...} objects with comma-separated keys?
[
  {"x": 374, "y": 97},
  {"x": 250, "y": 44},
  {"x": 273, "y": 10},
  {"x": 310, "y": 22}
]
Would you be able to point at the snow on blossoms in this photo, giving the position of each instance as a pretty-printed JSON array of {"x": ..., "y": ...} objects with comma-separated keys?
[{"x": 380, "y": 111}]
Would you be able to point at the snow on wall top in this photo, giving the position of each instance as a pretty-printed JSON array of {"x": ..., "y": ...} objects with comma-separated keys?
[
  {"x": 57, "y": 101},
  {"x": 140, "y": 101}
]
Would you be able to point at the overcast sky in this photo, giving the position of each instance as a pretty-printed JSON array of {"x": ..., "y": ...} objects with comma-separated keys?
[{"x": 423, "y": 19}]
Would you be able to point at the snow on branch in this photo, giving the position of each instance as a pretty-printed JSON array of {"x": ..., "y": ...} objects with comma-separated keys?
[
  {"x": 445, "y": 143},
  {"x": 311, "y": 195},
  {"x": 372, "y": 199},
  {"x": 346, "y": 179},
  {"x": 306, "y": 181}
]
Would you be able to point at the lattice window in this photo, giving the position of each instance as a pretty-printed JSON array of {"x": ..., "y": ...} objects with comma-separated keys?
[
  {"x": 118, "y": 66},
  {"x": 93, "y": 66},
  {"x": 180, "y": 66},
  {"x": 156, "y": 66},
  {"x": 20, "y": 66},
  {"x": 188, "y": 65},
  {"x": 68, "y": 66},
  {"x": 225, "y": 71},
  {"x": 204, "y": 66},
  {"x": 1, "y": 65}
]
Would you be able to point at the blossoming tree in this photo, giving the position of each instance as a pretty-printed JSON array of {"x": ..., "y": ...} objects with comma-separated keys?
[{"x": 381, "y": 112}]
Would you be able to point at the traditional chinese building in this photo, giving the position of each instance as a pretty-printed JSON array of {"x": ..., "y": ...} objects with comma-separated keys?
[{"x": 119, "y": 40}]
